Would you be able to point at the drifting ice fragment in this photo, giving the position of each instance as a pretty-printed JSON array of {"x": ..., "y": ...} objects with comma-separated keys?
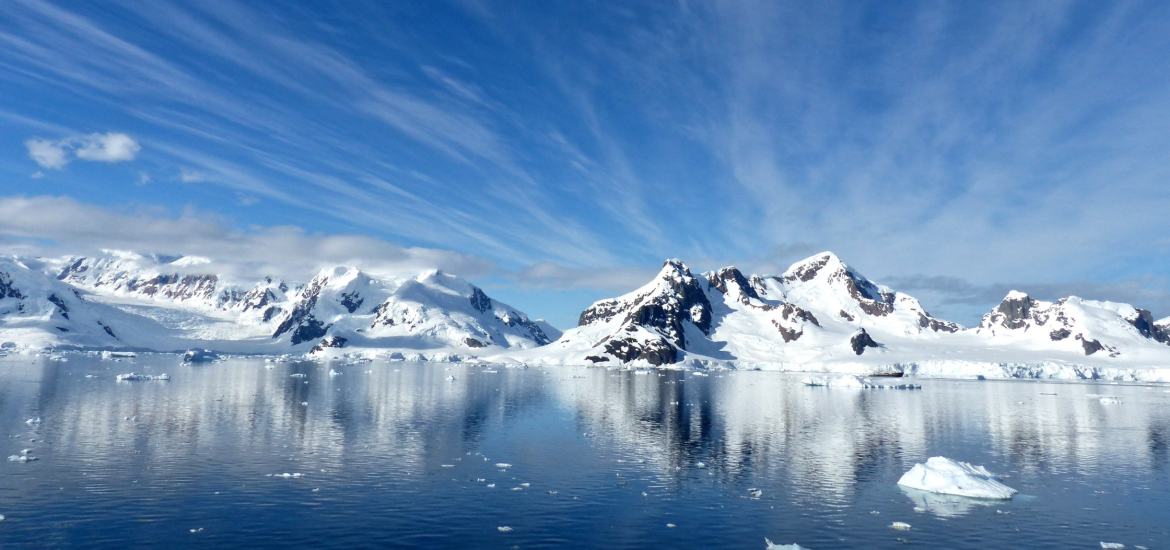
[
  {"x": 670, "y": 526},
  {"x": 504, "y": 529},
  {"x": 297, "y": 375},
  {"x": 900, "y": 526},
  {"x": 334, "y": 373},
  {"x": 503, "y": 465},
  {"x": 1110, "y": 401},
  {"x": 31, "y": 421},
  {"x": 700, "y": 465},
  {"x": 199, "y": 356},
  {"x": 491, "y": 485},
  {"x": 774, "y": 546},
  {"x": 447, "y": 465},
  {"x": 950, "y": 477},
  {"x": 849, "y": 381},
  {"x": 1112, "y": 545},
  {"x": 755, "y": 493},
  {"x": 131, "y": 377},
  {"x": 21, "y": 458}
]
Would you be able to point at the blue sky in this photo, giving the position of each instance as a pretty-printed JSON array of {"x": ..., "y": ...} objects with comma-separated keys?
[{"x": 557, "y": 152}]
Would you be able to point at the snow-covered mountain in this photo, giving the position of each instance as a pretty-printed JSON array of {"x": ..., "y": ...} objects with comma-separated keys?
[
  {"x": 174, "y": 304},
  {"x": 822, "y": 315}
]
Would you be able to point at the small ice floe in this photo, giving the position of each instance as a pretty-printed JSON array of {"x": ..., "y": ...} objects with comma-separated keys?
[
  {"x": 21, "y": 458},
  {"x": 700, "y": 465},
  {"x": 446, "y": 465},
  {"x": 900, "y": 526},
  {"x": 504, "y": 529},
  {"x": 270, "y": 366},
  {"x": 334, "y": 373},
  {"x": 1110, "y": 400},
  {"x": 850, "y": 381},
  {"x": 1, "y": 517},
  {"x": 526, "y": 485},
  {"x": 287, "y": 475},
  {"x": 502, "y": 465},
  {"x": 774, "y": 546},
  {"x": 297, "y": 375},
  {"x": 755, "y": 493},
  {"x": 517, "y": 488},
  {"x": 552, "y": 493},
  {"x": 670, "y": 526},
  {"x": 197, "y": 530},
  {"x": 949, "y": 477},
  {"x": 304, "y": 403},
  {"x": 489, "y": 371},
  {"x": 32, "y": 421},
  {"x": 1112, "y": 546},
  {"x": 491, "y": 485},
  {"x": 451, "y": 378},
  {"x": 199, "y": 356},
  {"x": 132, "y": 377}
]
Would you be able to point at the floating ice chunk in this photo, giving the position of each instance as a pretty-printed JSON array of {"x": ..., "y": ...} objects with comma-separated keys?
[
  {"x": 304, "y": 403},
  {"x": 334, "y": 373},
  {"x": 1112, "y": 545},
  {"x": 25, "y": 451},
  {"x": 270, "y": 366},
  {"x": 480, "y": 480},
  {"x": 21, "y": 458},
  {"x": 670, "y": 526},
  {"x": 450, "y": 378},
  {"x": 287, "y": 475},
  {"x": 950, "y": 477},
  {"x": 755, "y": 493},
  {"x": 491, "y": 485},
  {"x": 774, "y": 546},
  {"x": 1110, "y": 401},
  {"x": 849, "y": 381},
  {"x": 526, "y": 485},
  {"x": 297, "y": 375},
  {"x": 197, "y": 530},
  {"x": 900, "y": 526},
  {"x": 504, "y": 529},
  {"x": 503, "y": 465},
  {"x": 199, "y": 356},
  {"x": 517, "y": 488},
  {"x": 132, "y": 377},
  {"x": 1, "y": 517},
  {"x": 700, "y": 465},
  {"x": 447, "y": 465},
  {"x": 31, "y": 421}
]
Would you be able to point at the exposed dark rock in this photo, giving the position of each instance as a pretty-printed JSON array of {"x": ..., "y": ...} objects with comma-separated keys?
[
  {"x": 792, "y": 313},
  {"x": 656, "y": 352},
  {"x": 1059, "y": 334},
  {"x": 64, "y": 309},
  {"x": 596, "y": 359},
  {"x": 479, "y": 300},
  {"x": 62, "y": 329},
  {"x": 1091, "y": 346},
  {"x": 845, "y": 315},
  {"x": 862, "y": 340},
  {"x": 300, "y": 320},
  {"x": 351, "y": 301},
  {"x": 6, "y": 288},
  {"x": 787, "y": 334},
  {"x": 1144, "y": 323},
  {"x": 331, "y": 342},
  {"x": 269, "y": 313},
  {"x": 719, "y": 280},
  {"x": 926, "y": 321},
  {"x": 1016, "y": 311},
  {"x": 108, "y": 330},
  {"x": 809, "y": 271},
  {"x": 473, "y": 343}
]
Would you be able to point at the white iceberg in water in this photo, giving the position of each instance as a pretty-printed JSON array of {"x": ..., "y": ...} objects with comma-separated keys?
[
  {"x": 850, "y": 381},
  {"x": 774, "y": 546},
  {"x": 131, "y": 377},
  {"x": 949, "y": 477}
]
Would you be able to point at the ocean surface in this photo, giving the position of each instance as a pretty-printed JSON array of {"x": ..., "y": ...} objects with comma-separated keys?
[{"x": 429, "y": 455}]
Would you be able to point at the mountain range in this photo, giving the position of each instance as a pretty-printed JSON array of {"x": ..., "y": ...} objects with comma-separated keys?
[{"x": 819, "y": 315}]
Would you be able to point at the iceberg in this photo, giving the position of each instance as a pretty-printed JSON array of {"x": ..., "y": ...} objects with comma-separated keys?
[
  {"x": 849, "y": 381},
  {"x": 200, "y": 356},
  {"x": 774, "y": 546},
  {"x": 132, "y": 377},
  {"x": 949, "y": 477}
]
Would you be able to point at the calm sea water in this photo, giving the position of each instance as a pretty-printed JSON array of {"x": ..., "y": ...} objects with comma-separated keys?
[{"x": 396, "y": 455}]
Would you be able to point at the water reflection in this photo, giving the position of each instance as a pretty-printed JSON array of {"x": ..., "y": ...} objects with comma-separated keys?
[{"x": 688, "y": 440}]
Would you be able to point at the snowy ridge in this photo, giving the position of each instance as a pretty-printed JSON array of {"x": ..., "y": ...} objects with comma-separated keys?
[
  {"x": 168, "y": 304},
  {"x": 823, "y": 316}
]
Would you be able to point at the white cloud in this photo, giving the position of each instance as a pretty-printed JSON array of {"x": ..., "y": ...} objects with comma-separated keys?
[
  {"x": 187, "y": 175},
  {"x": 283, "y": 251},
  {"x": 37, "y": 175},
  {"x": 48, "y": 154},
  {"x": 107, "y": 147},
  {"x": 557, "y": 277}
]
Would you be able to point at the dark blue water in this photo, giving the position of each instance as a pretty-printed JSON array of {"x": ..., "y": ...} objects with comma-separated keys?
[{"x": 610, "y": 458}]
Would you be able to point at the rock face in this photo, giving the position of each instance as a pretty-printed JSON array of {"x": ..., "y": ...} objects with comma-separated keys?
[
  {"x": 1072, "y": 324},
  {"x": 821, "y": 312}
]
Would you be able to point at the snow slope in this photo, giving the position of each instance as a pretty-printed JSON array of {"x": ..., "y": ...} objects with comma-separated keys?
[
  {"x": 823, "y": 316},
  {"x": 173, "y": 306}
]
